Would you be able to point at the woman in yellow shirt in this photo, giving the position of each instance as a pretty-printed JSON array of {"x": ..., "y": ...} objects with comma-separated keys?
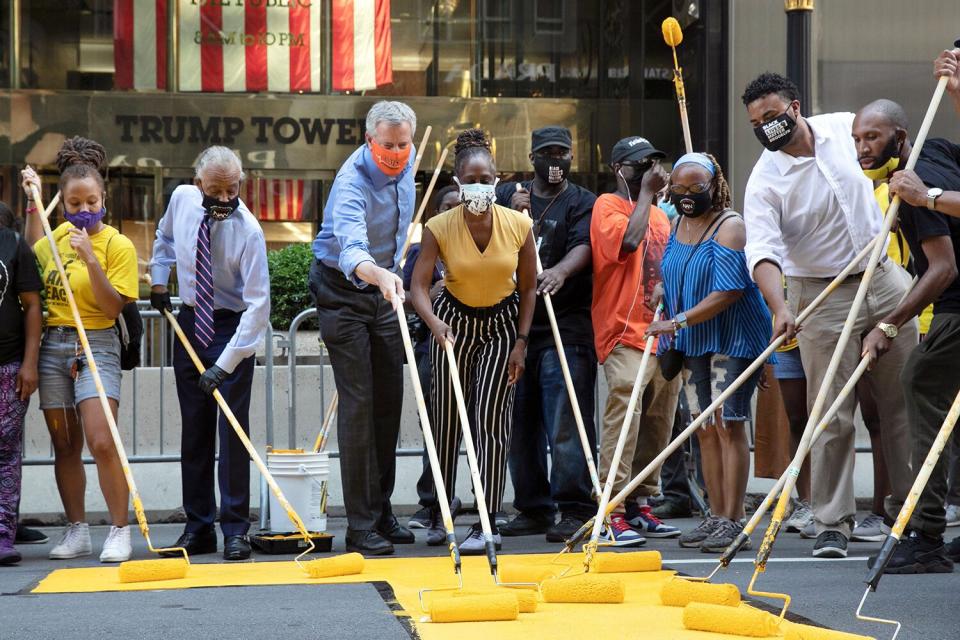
[
  {"x": 485, "y": 310},
  {"x": 101, "y": 266}
]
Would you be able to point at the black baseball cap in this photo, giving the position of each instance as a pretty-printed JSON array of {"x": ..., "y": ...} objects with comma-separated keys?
[
  {"x": 634, "y": 149},
  {"x": 550, "y": 136}
]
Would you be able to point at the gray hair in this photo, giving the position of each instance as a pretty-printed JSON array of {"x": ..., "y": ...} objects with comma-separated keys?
[
  {"x": 218, "y": 156},
  {"x": 392, "y": 112}
]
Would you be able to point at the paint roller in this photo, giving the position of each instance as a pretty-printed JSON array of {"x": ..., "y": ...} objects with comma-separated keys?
[
  {"x": 578, "y": 536},
  {"x": 678, "y": 592},
  {"x": 673, "y": 36},
  {"x": 807, "y": 632},
  {"x": 319, "y": 568},
  {"x": 903, "y": 518},
  {"x": 743, "y": 620},
  {"x": 130, "y": 571},
  {"x": 776, "y": 521}
]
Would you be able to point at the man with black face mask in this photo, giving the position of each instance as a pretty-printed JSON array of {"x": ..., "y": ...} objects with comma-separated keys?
[
  {"x": 542, "y": 409},
  {"x": 218, "y": 248},
  {"x": 809, "y": 210}
]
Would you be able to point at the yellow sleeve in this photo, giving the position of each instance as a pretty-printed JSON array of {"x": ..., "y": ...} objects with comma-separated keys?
[
  {"x": 122, "y": 270},
  {"x": 41, "y": 248}
]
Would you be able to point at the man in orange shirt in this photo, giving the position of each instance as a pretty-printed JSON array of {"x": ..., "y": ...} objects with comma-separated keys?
[{"x": 628, "y": 236}]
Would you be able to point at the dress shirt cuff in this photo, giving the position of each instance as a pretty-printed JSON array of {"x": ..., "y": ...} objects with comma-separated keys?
[
  {"x": 349, "y": 260},
  {"x": 159, "y": 275},
  {"x": 757, "y": 258},
  {"x": 231, "y": 357}
]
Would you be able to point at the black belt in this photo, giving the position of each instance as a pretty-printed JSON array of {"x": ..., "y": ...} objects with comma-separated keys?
[
  {"x": 853, "y": 277},
  {"x": 217, "y": 313}
]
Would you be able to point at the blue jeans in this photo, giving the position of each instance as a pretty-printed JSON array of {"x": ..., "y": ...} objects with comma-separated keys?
[{"x": 542, "y": 412}]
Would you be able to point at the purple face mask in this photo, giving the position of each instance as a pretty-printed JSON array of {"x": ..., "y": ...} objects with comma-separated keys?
[{"x": 85, "y": 219}]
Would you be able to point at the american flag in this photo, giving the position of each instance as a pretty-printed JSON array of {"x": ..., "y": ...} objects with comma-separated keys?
[{"x": 275, "y": 200}]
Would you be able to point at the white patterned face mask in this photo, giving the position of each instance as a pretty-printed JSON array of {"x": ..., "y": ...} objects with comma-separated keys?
[{"x": 477, "y": 197}]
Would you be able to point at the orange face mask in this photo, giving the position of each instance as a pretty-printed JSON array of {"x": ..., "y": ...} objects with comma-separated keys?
[{"x": 389, "y": 161}]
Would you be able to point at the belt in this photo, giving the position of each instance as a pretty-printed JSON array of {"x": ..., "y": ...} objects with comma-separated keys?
[{"x": 853, "y": 277}]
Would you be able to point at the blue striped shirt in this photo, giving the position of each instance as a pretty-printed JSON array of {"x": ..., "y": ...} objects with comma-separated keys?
[{"x": 743, "y": 329}]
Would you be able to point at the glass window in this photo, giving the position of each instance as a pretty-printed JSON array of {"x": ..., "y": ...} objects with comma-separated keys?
[{"x": 67, "y": 44}]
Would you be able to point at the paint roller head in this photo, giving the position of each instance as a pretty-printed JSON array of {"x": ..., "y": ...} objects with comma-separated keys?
[
  {"x": 806, "y": 632},
  {"x": 487, "y": 607},
  {"x": 672, "y": 33},
  {"x": 584, "y": 588},
  {"x": 152, "y": 570},
  {"x": 627, "y": 562},
  {"x": 343, "y": 565},
  {"x": 526, "y": 600},
  {"x": 518, "y": 572},
  {"x": 678, "y": 592},
  {"x": 741, "y": 621}
]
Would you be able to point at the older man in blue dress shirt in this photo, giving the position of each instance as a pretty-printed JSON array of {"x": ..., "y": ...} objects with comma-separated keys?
[
  {"x": 218, "y": 248},
  {"x": 356, "y": 287}
]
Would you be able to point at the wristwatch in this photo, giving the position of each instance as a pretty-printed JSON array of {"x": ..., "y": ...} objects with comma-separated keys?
[
  {"x": 680, "y": 320},
  {"x": 932, "y": 194},
  {"x": 889, "y": 330}
]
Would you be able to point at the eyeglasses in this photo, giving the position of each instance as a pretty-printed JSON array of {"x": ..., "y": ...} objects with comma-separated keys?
[{"x": 682, "y": 190}]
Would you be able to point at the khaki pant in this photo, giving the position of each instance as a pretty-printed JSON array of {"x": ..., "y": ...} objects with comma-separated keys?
[
  {"x": 649, "y": 431},
  {"x": 833, "y": 455}
]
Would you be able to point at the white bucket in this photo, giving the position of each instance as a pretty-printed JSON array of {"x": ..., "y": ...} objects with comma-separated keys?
[{"x": 301, "y": 477}]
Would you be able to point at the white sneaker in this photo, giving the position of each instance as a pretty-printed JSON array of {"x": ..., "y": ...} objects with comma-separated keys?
[
  {"x": 117, "y": 547},
  {"x": 801, "y": 517},
  {"x": 872, "y": 529},
  {"x": 809, "y": 532},
  {"x": 475, "y": 545},
  {"x": 953, "y": 515},
  {"x": 74, "y": 543}
]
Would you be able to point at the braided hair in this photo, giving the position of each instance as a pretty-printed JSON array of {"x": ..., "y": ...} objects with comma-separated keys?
[
  {"x": 470, "y": 143},
  {"x": 721, "y": 194},
  {"x": 81, "y": 158}
]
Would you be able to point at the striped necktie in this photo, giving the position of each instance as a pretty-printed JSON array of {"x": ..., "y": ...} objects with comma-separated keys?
[{"x": 203, "y": 326}]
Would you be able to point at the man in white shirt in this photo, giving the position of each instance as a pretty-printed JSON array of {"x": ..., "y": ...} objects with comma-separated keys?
[{"x": 809, "y": 210}]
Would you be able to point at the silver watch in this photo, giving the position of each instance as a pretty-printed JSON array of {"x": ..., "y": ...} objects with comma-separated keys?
[
  {"x": 889, "y": 330},
  {"x": 932, "y": 194}
]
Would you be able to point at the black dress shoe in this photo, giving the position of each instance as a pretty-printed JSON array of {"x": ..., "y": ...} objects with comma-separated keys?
[
  {"x": 195, "y": 544},
  {"x": 391, "y": 529},
  {"x": 236, "y": 548},
  {"x": 369, "y": 543}
]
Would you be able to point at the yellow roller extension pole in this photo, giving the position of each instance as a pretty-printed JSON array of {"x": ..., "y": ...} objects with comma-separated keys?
[
  {"x": 903, "y": 518},
  {"x": 673, "y": 36},
  {"x": 718, "y": 402},
  {"x": 776, "y": 520},
  {"x": 313, "y": 568},
  {"x": 130, "y": 571}
]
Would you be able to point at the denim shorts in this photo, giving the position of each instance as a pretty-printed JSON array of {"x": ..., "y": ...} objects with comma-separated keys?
[
  {"x": 706, "y": 377},
  {"x": 789, "y": 366},
  {"x": 60, "y": 349}
]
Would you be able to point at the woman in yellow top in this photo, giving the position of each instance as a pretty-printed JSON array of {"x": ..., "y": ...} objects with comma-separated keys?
[
  {"x": 101, "y": 266},
  {"x": 485, "y": 310}
]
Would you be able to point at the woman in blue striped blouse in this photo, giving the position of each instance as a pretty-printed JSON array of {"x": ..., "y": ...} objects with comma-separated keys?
[{"x": 720, "y": 323}]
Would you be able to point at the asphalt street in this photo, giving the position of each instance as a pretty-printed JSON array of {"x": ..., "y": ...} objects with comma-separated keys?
[{"x": 825, "y": 592}]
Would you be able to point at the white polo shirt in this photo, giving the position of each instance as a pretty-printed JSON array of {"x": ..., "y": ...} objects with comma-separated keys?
[{"x": 811, "y": 215}]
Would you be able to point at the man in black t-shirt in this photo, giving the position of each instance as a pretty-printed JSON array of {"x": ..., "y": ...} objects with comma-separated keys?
[
  {"x": 542, "y": 410},
  {"x": 880, "y": 134}
]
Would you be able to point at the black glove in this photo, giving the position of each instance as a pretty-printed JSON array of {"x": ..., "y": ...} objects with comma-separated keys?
[
  {"x": 161, "y": 301},
  {"x": 212, "y": 378}
]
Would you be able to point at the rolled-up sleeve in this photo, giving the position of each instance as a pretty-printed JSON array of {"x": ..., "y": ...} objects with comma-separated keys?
[
  {"x": 761, "y": 215},
  {"x": 350, "y": 230},
  {"x": 164, "y": 255},
  {"x": 256, "y": 296}
]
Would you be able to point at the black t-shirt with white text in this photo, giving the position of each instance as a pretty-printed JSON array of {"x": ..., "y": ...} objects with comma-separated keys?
[
  {"x": 18, "y": 274},
  {"x": 558, "y": 228}
]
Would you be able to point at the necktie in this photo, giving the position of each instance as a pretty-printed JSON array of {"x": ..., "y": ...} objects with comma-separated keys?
[{"x": 203, "y": 327}]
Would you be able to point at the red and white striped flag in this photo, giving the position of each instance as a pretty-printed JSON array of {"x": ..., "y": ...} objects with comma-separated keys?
[
  {"x": 140, "y": 44},
  {"x": 257, "y": 46},
  {"x": 362, "y": 50},
  {"x": 273, "y": 200}
]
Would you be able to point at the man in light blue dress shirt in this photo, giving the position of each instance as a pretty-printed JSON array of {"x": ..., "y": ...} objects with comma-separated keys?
[
  {"x": 356, "y": 285},
  {"x": 206, "y": 228}
]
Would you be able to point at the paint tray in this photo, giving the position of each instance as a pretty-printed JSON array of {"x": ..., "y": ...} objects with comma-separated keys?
[{"x": 273, "y": 543}]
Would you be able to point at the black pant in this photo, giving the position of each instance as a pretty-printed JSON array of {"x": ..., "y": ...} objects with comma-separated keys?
[
  {"x": 201, "y": 429},
  {"x": 673, "y": 474},
  {"x": 359, "y": 328},
  {"x": 929, "y": 389}
]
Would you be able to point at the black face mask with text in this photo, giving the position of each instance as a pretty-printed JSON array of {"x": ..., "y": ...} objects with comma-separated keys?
[
  {"x": 550, "y": 169},
  {"x": 776, "y": 133},
  {"x": 692, "y": 205},
  {"x": 219, "y": 210}
]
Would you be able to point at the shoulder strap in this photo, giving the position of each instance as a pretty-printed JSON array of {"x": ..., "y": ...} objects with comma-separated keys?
[{"x": 719, "y": 223}]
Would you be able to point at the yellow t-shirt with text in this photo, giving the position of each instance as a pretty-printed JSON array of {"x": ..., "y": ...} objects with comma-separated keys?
[{"x": 118, "y": 259}]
